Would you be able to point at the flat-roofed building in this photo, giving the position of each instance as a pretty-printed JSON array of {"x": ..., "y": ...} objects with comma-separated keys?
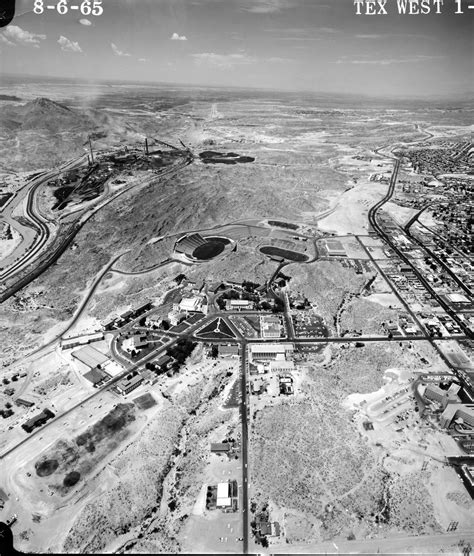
[
  {"x": 38, "y": 420},
  {"x": 443, "y": 397},
  {"x": 175, "y": 317},
  {"x": 70, "y": 343},
  {"x": 126, "y": 385},
  {"x": 24, "y": 403},
  {"x": 220, "y": 447},
  {"x": 455, "y": 411},
  {"x": 112, "y": 368},
  {"x": 154, "y": 320},
  {"x": 239, "y": 304},
  {"x": 191, "y": 304},
  {"x": 223, "y": 495},
  {"x": 270, "y": 326},
  {"x": 96, "y": 377},
  {"x": 90, "y": 356},
  {"x": 281, "y": 366},
  {"x": 335, "y": 248},
  {"x": 270, "y": 352},
  {"x": 225, "y": 350}
]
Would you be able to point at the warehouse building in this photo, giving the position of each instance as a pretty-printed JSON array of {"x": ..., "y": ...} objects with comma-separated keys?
[
  {"x": 225, "y": 350},
  {"x": 96, "y": 376},
  {"x": 281, "y": 366},
  {"x": 90, "y": 356},
  {"x": 271, "y": 352},
  {"x": 223, "y": 495}
]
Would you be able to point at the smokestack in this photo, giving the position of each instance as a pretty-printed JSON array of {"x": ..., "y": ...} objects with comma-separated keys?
[{"x": 146, "y": 146}]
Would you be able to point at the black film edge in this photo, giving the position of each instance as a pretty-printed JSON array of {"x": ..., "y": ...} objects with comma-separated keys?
[{"x": 7, "y": 12}]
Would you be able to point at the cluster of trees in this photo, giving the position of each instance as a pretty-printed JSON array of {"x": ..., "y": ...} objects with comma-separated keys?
[
  {"x": 180, "y": 278},
  {"x": 5, "y": 413},
  {"x": 261, "y": 517},
  {"x": 249, "y": 286},
  {"x": 279, "y": 306},
  {"x": 180, "y": 352}
]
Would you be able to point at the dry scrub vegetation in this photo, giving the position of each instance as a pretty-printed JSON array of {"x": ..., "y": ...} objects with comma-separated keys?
[
  {"x": 366, "y": 316},
  {"x": 307, "y": 455},
  {"x": 199, "y": 197},
  {"x": 324, "y": 283},
  {"x": 158, "y": 473}
]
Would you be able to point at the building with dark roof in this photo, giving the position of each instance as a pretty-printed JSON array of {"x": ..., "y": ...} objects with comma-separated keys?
[
  {"x": 96, "y": 376},
  {"x": 127, "y": 384},
  {"x": 220, "y": 447},
  {"x": 38, "y": 420},
  {"x": 24, "y": 403}
]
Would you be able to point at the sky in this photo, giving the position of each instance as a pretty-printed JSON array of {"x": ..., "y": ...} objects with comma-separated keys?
[{"x": 302, "y": 45}]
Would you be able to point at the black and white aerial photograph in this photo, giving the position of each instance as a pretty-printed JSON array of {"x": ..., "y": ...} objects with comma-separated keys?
[{"x": 237, "y": 277}]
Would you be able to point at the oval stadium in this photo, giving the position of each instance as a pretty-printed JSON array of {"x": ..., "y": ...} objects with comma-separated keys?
[{"x": 196, "y": 248}]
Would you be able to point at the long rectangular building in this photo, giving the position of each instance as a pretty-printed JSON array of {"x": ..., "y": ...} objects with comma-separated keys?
[
  {"x": 271, "y": 352},
  {"x": 90, "y": 356}
]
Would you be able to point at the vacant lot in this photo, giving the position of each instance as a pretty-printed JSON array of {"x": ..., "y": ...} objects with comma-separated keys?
[
  {"x": 366, "y": 317},
  {"x": 324, "y": 283},
  {"x": 67, "y": 462}
]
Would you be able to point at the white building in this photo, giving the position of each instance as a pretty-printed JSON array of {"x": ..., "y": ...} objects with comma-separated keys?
[
  {"x": 191, "y": 304},
  {"x": 281, "y": 366},
  {"x": 271, "y": 352},
  {"x": 175, "y": 317},
  {"x": 270, "y": 326},
  {"x": 223, "y": 498},
  {"x": 239, "y": 304}
]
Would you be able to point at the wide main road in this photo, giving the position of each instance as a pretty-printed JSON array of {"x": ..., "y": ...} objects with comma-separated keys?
[
  {"x": 387, "y": 239},
  {"x": 244, "y": 410}
]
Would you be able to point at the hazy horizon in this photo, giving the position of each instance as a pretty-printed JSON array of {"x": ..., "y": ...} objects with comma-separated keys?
[
  {"x": 467, "y": 97},
  {"x": 284, "y": 45}
]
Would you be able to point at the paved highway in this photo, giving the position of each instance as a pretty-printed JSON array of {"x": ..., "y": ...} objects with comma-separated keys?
[
  {"x": 388, "y": 240},
  {"x": 385, "y": 237},
  {"x": 244, "y": 413},
  {"x": 37, "y": 221},
  {"x": 51, "y": 255},
  {"x": 441, "y": 263}
]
